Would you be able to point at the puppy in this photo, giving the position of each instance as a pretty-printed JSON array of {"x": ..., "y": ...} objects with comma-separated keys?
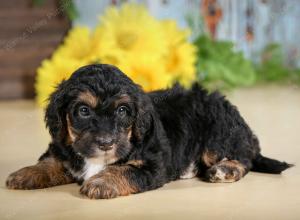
[{"x": 114, "y": 139}]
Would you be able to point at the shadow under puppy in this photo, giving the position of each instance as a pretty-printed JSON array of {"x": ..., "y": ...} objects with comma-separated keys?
[{"x": 114, "y": 139}]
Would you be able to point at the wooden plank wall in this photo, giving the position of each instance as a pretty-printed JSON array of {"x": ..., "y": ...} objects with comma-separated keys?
[
  {"x": 271, "y": 21},
  {"x": 28, "y": 34}
]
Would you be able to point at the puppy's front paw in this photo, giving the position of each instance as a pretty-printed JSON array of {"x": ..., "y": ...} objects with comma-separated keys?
[
  {"x": 112, "y": 182},
  {"x": 27, "y": 178},
  {"x": 99, "y": 188}
]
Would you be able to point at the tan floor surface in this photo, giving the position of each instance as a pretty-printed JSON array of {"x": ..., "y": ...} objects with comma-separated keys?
[{"x": 274, "y": 115}]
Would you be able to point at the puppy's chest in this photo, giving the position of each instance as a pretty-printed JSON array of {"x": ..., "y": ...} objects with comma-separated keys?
[{"x": 88, "y": 169}]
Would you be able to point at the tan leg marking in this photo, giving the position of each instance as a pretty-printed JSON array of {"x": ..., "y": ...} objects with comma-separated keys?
[
  {"x": 209, "y": 158},
  {"x": 136, "y": 163},
  {"x": 226, "y": 171},
  {"x": 110, "y": 183},
  {"x": 46, "y": 173}
]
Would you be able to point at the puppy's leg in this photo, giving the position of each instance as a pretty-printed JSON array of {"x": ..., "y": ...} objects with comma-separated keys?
[
  {"x": 226, "y": 171},
  {"x": 117, "y": 181},
  {"x": 46, "y": 173}
]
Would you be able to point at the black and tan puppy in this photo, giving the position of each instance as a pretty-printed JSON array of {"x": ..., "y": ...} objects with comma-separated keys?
[{"x": 114, "y": 139}]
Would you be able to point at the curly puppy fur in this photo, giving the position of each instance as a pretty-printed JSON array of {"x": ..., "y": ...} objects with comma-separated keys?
[{"x": 114, "y": 139}]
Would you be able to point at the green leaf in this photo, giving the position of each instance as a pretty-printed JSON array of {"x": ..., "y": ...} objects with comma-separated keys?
[
  {"x": 38, "y": 2},
  {"x": 70, "y": 9},
  {"x": 219, "y": 66}
]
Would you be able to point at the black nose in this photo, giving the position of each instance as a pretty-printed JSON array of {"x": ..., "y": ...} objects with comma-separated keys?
[{"x": 105, "y": 143}]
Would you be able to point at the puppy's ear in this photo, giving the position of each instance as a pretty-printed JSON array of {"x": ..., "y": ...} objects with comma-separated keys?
[
  {"x": 145, "y": 118},
  {"x": 55, "y": 115}
]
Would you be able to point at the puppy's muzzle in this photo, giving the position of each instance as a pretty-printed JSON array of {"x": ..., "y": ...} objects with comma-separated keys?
[{"x": 105, "y": 143}]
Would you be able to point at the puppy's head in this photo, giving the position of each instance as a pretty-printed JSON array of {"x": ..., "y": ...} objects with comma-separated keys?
[{"x": 100, "y": 113}]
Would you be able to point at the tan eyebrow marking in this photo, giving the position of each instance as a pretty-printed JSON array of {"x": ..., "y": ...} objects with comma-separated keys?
[
  {"x": 88, "y": 98},
  {"x": 122, "y": 99}
]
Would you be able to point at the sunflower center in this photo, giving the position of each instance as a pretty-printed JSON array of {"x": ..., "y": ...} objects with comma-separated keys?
[
  {"x": 126, "y": 40},
  {"x": 173, "y": 61}
]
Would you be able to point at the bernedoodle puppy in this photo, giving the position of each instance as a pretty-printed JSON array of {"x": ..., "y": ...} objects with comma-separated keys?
[{"x": 114, "y": 139}]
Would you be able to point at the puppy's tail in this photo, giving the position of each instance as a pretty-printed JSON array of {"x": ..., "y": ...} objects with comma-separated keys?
[{"x": 267, "y": 165}]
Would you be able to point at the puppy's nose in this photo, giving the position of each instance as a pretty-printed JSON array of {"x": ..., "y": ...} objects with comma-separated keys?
[{"x": 105, "y": 143}]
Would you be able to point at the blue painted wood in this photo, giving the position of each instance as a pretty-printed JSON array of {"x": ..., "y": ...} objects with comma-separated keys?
[{"x": 272, "y": 21}]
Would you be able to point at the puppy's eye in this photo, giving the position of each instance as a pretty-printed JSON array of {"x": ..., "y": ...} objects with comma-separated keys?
[
  {"x": 84, "y": 111},
  {"x": 122, "y": 111}
]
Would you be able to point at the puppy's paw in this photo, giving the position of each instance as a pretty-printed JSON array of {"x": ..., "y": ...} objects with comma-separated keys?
[
  {"x": 99, "y": 188},
  {"x": 219, "y": 174},
  {"x": 227, "y": 171},
  {"x": 28, "y": 178}
]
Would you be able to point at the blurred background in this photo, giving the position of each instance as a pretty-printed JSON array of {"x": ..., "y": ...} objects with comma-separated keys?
[{"x": 235, "y": 43}]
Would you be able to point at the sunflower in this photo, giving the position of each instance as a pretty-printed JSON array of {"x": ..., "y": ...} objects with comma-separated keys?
[
  {"x": 130, "y": 31},
  {"x": 71, "y": 55},
  {"x": 149, "y": 73},
  {"x": 180, "y": 61},
  {"x": 52, "y": 72},
  {"x": 153, "y": 53},
  {"x": 77, "y": 44}
]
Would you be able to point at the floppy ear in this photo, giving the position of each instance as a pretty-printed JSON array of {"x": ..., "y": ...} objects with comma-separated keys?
[
  {"x": 55, "y": 115},
  {"x": 144, "y": 123}
]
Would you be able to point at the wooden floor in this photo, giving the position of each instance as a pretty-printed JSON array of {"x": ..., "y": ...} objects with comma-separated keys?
[{"x": 273, "y": 113}]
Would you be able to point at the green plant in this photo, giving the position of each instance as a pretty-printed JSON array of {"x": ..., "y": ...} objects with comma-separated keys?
[
  {"x": 272, "y": 67},
  {"x": 220, "y": 67},
  {"x": 68, "y": 7}
]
